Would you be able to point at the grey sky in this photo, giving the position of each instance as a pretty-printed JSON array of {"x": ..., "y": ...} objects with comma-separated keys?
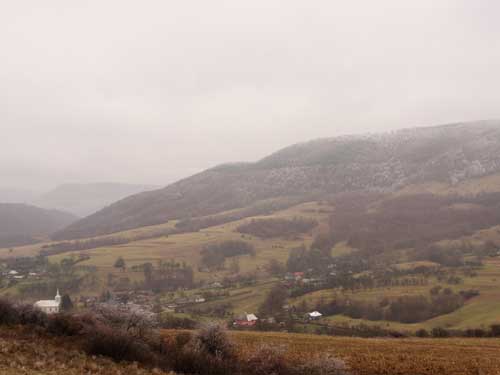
[{"x": 151, "y": 91}]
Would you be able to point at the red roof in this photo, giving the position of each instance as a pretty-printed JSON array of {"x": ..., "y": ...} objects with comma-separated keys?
[{"x": 245, "y": 323}]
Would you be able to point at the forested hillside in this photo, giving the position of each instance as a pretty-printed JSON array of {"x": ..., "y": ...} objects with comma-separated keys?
[{"x": 377, "y": 163}]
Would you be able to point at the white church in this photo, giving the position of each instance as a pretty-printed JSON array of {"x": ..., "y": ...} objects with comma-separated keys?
[{"x": 50, "y": 306}]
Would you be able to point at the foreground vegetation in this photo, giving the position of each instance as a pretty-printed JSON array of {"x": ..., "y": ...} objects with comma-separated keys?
[
  {"x": 127, "y": 337},
  {"x": 111, "y": 343},
  {"x": 23, "y": 352}
]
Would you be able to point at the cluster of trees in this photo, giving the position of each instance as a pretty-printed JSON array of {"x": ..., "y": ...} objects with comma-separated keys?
[
  {"x": 411, "y": 221},
  {"x": 277, "y": 227},
  {"x": 274, "y": 302},
  {"x": 404, "y": 309},
  {"x": 168, "y": 276},
  {"x": 439, "y": 332},
  {"x": 213, "y": 256},
  {"x": 27, "y": 264},
  {"x": 302, "y": 259},
  {"x": 67, "y": 273}
]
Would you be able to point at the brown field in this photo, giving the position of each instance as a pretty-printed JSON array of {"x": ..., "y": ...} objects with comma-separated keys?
[
  {"x": 387, "y": 356},
  {"x": 25, "y": 353}
]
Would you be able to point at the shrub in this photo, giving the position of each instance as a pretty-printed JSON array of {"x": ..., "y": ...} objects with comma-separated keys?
[
  {"x": 208, "y": 352},
  {"x": 422, "y": 333},
  {"x": 495, "y": 330},
  {"x": 8, "y": 313},
  {"x": 468, "y": 294},
  {"x": 64, "y": 325},
  {"x": 439, "y": 332},
  {"x": 137, "y": 325},
  {"x": 118, "y": 346},
  {"x": 213, "y": 340},
  {"x": 30, "y": 315},
  {"x": 476, "y": 332},
  {"x": 268, "y": 360}
]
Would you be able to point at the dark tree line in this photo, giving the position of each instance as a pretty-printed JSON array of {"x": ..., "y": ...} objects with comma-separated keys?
[
  {"x": 411, "y": 221},
  {"x": 277, "y": 227},
  {"x": 213, "y": 256}
]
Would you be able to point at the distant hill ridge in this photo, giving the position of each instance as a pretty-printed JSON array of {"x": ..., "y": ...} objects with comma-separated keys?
[
  {"x": 21, "y": 224},
  {"x": 85, "y": 199},
  {"x": 376, "y": 162}
]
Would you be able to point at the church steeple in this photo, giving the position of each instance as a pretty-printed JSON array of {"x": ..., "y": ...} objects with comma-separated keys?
[{"x": 58, "y": 297}]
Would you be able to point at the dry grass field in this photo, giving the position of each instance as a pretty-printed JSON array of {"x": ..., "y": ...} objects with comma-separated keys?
[
  {"x": 28, "y": 354},
  {"x": 388, "y": 356}
]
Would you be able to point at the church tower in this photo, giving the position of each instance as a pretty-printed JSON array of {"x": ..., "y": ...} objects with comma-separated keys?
[{"x": 58, "y": 297}]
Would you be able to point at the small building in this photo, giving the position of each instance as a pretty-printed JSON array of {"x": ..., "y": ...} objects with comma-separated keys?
[
  {"x": 50, "y": 306},
  {"x": 315, "y": 315},
  {"x": 298, "y": 275},
  {"x": 246, "y": 320},
  {"x": 198, "y": 299}
]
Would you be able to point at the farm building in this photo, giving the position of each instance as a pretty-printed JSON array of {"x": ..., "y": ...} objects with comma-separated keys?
[
  {"x": 246, "y": 320},
  {"x": 315, "y": 315}
]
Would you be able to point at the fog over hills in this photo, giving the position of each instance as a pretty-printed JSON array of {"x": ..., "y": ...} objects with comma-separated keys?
[
  {"x": 85, "y": 199},
  {"x": 375, "y": 162},
  {"x": 22, "y": 224},
  {"x": 16, "y": 195}
]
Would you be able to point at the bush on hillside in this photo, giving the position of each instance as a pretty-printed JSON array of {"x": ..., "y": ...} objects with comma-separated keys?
[
  {"x": 118, "y": 345},
  {"x": 8, "y": 313},
  {"x": 276, "y": 227},
  {"x": 213, "y": 256}
]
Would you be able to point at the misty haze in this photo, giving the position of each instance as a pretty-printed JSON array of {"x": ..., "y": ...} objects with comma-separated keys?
[{"x": 250, "y": 188}]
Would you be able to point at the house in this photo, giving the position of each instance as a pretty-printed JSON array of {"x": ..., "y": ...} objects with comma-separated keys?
[
  {"x": 198, "y": 299},
  {"x": 298, "y": 275},
  {"x": 246, "y": 320},
  {"x": 315, "y": 315},
  {"x": 50, "y": 306}
]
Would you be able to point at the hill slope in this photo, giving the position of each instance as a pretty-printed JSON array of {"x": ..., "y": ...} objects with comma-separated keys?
[
  {"x": 22, "y": 224},
  {"x": 382, "y": 162},
  {"x": 85, "y": 199}
]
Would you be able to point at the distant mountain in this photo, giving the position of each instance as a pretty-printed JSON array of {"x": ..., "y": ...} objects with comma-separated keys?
[
  {"x": 85, "y": 199},
  {"x": 380, "y": 162},
  {"x": 21, "y": 224},
  {"x": 14, "y": 195}
]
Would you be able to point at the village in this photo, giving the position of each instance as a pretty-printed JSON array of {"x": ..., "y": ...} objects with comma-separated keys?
[{"x": 182, "y": 302}]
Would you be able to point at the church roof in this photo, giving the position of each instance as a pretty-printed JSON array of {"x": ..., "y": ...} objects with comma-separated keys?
[{"x": 47, "y": 303}]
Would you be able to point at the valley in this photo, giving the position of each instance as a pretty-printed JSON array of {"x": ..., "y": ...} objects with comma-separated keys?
[
  {"x": 387, "y": 261},
  {"x": 241, "y": 283}
]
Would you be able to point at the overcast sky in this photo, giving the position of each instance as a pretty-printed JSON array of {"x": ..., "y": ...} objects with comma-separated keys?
[{"x": 151, "y": 91}]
